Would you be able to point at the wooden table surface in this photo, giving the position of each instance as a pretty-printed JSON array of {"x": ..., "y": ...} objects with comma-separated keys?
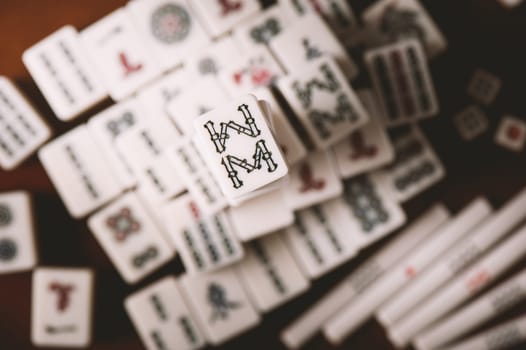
[{"x": 480, "y": 34}]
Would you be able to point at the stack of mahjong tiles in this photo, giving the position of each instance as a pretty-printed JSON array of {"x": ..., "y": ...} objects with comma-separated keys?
[{"x": 239, "y": 142}]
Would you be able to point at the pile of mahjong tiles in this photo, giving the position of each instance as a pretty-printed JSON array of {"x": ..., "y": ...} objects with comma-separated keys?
[{"x": 238, "y": 142}]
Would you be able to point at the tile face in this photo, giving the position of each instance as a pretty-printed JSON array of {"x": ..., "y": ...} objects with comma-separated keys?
[
  {"x": 366, "y": 148},
  {"x": 61, "y": 71},
  {"x": 146, "y": 141},
  {"x": 62, "y": 300},
  {"x": 197, "y": 178},
  {"x": 416, "y": 166},
  {"x": 401, "y": 79},
  {"x": 155, "y": 97},
  {"x": 220, "y": 303},
  {"x": 484, "y": 87},
  {"x": 161, "y": 317},
  {"x": 204, "y": 242},
  {"x": 290, "y": 143},
  {"x": 220, "y": 16},
  {"x": 159, "y": 180},
  {"x": 319, "y": 238},
  {"x": 373, "y": 211},
  {"x": 336, "y": 13},
  {"x": 130, "y": 238},
  {"x": 312, "y": 181},
  {"x": 80, "y": 172},
  {"x": 25, "y": 130},
  {"x": 107, "y": 126},
  {"x": 270, "y": 274},
  {"x": 511, "y": 133},
  {"x": 240, "y": 148},
  {"x": 251, "y": 70},
  {"x": 214, "y": 58},
  {"x": 263, "y": 214},
  {"x": 206, "y": 94},
  {"x": 324, "y": 102},
  {"x": 17, "y": 245},
  {"x": 308, "y": 39},
  {"x": 471, "y": 122},
  {"x": 385, "y": 16},
  {"x": 169, "y": 27},
  {"x": 122, "y": 60},
  {"x": 262, "y": 28}
]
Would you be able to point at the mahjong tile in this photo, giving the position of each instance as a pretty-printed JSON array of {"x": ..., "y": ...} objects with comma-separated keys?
[
  {"x": 62, "y": 72},
  {"x": 169, "y": 27},
  {"x": 162, "y": 318},
  {"x": 220, "y": 304},
  {"x": 309, "y": 39},
  {"x": 204, "y": 242},
  {"x": 270, "y": 274},
  {"x": 324, "y": 102},
  {"x": 398, "y": 19},
  {"x": 17, "y": 237},
  {"x": 130, "y": 237},
  {"x": 113, "y": 45},
  {"x": 23, "y": 129},
  {"x": 239, "y": 147},
  {"x": 61, "y": 310},
  {"x": 80, "y": 171}
]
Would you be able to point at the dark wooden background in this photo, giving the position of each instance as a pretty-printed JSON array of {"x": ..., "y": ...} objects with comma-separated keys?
[{"x": 480, "y": 34}]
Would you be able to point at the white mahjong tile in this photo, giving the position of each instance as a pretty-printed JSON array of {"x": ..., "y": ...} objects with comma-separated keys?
[
  {"x": 262, "y": 28},
  {"x": 240, "y": 149},
  {"x": 511, "y": 133},
  {"x": 204, "y": 242},
  {"x": 397, "y": 19},
  {"x": 270, "y": 274},
  {"x": 130, "y": 237},
  {"x": 401, "y": 79},
  {"x": 312, "y": 181},
  {"x": 307, "y": 40},
  {"x": 261, "y": 215},
  {"x": 62, "y": 72},
  {"x": 81, "y": 173},
  {"x": 162, "y": 318},
  {"x": 22, "y": 129},
  {"x": 366, "y": 148},
  {"x": 220, "y": 16},
  {"x": 416, "y": 166},
  {"x": 509, "y": 4},
  {"x": 115, "y": 48},
  {"x": 220, "y": 303},
  {"x": 198, "y": 179},
  {"x": 197, "y": 99},
  {"x": 159, "y": 180},
  {"x": 146, "y": 140},
  {"x": 169, "y": 27},
  {"x": 107, "y": 126},
  {"x": 337, "y": 14},
  {"x": 371, "y": 209},
  {"x": 61, "y": 310},
  {"x": 251, "y": 70},
  {"x": 324, "y": 102},
  {"x": 484, "y": 87},
  {"x": 155, "y": 97},
  {"x": 471, "y": 122},
  {"x": 320, "y": 239},
  {"x": 17, "y": 237}
]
